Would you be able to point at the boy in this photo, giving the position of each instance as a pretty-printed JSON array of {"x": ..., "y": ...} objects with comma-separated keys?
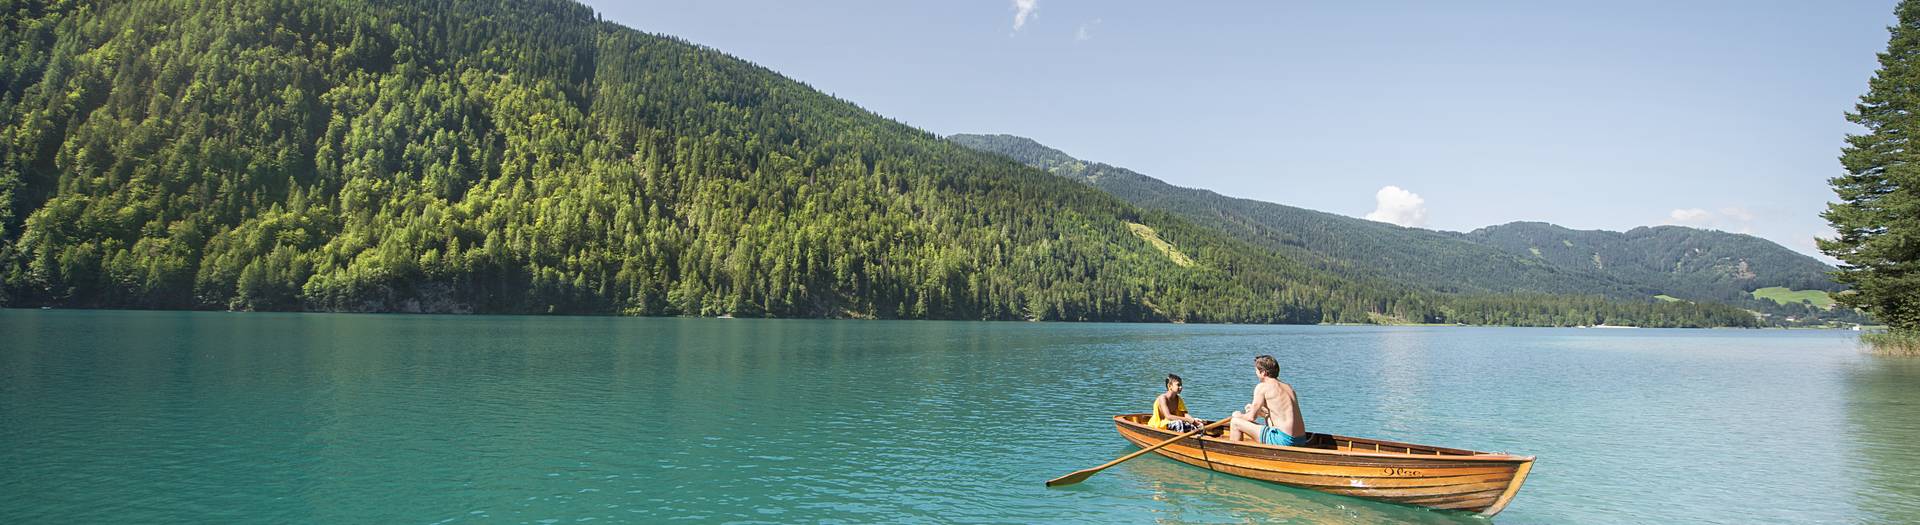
[{"x": 1170, "y": 412}]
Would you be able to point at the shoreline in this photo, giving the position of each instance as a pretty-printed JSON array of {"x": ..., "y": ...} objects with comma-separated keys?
[{"x": 732, "y": 317}]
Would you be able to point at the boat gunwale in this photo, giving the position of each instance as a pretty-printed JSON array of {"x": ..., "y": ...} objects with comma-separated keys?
[{"x": 1478, "y": 456}]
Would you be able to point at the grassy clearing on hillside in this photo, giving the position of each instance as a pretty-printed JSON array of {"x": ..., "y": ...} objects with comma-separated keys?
[
  {"x": 1388, "y": 320},
  {"x": 1152, "y": 237},
  {"x": 1782, "y": 295},
  {"x": 1384, "y": 319}
]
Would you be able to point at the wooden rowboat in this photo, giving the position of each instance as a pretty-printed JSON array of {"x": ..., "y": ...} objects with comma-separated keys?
[{"x": 1435, "y": 477}]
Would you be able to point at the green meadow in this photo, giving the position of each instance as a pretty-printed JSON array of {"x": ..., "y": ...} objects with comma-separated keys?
[{"x": 1783, "y": 295}]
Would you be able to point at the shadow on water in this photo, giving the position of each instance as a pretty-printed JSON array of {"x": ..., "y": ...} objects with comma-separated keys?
[{"x": 1883, "y": 411}]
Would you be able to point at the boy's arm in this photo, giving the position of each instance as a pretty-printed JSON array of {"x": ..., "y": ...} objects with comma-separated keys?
[{"x": 1182, "y": 415}]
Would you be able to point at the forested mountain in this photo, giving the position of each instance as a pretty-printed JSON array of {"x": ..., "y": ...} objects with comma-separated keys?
[
  {"x": 1428, "y": 259},
  {"x": 1522, "y": 258},
  {"x": 1679, "y": 261},
  {"x": 516, "y": 156},
  {"x": 525, "y": 156}
]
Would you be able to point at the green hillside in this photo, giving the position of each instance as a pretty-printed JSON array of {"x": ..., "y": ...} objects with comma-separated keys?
[
  {"x": 1521, "y": 257},
  {"x": 527, "y": 157},
  {"x": 1670, "y": 264},
  {"x": 1357, "y": 248},
  {"x": 1684, "y": 262}
]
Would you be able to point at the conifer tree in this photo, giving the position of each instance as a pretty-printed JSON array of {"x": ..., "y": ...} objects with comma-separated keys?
[{"x": 1878, "y": 216}]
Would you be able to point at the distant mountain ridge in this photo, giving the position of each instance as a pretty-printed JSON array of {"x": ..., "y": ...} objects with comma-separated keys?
[
  {"x": 1684, "y": 262},
  {"x": 1520, "y": 257}
]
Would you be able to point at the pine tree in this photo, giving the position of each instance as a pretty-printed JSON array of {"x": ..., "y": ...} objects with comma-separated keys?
[{"x": 1878, "y": 216}]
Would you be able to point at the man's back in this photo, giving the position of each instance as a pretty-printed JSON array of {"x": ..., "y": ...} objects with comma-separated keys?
[
  {"x": 1274, "y": 402},
  {"x": 1281, "y": 406}
]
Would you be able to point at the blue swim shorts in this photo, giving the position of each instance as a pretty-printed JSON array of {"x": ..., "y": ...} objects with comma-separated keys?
[{"x": 1275, "y": 436}]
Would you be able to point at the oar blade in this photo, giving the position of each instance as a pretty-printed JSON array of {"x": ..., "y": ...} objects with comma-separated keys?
[{"x": 1070, "y": 479}]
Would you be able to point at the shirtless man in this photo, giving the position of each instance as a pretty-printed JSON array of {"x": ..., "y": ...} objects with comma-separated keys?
[{"x": 1274, "y": 401}]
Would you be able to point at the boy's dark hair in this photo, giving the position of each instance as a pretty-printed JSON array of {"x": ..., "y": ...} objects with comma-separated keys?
[
  {"x": 1171, "y": 379},
  {"x": 1267, "y": 365}
]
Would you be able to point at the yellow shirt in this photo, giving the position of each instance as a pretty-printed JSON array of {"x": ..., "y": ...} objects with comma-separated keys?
[{"x": 1179, "y": 407}]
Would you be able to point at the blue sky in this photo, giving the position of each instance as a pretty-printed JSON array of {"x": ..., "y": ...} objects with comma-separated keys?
[{"x": 1607, "y": 115}]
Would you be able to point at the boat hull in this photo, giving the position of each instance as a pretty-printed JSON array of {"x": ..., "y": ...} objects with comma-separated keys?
[{"x": 1433, "y": 477}]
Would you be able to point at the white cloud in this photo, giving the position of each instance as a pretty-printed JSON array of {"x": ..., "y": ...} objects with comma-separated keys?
[
  {"x": 1400, "y": 207},
  {"x": 1023, "y": 10},
  {"x": 1694, "y": 217},
  {"x": 1737, "y": 213},
  {"x": 1085, "y": 32},
  {"x": 1732, "y": 219}
]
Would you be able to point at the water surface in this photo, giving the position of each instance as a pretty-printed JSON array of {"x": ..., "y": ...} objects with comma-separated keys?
[{"x": 316, "y": 418}]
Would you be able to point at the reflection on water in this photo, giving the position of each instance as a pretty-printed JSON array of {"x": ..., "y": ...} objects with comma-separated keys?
[
  {"x": 1883, "y": 412},
  {"x": 1181, "y": 486},
  {"x": 1399, "y": 385}
]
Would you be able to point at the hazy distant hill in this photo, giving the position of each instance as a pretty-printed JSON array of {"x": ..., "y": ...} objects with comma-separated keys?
[
  {"x": 1520, "y": 257},
  {"x": 1680, "y": 261}
]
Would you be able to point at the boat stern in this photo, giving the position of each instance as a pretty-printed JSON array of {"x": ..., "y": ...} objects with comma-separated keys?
[{"x": 1513, "y": 487}]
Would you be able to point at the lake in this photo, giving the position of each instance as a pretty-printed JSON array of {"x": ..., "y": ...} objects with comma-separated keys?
[{"x": 114, "y": 417}]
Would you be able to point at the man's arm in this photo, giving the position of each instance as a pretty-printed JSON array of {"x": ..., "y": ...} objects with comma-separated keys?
[{"x": 1257, "y": 408}]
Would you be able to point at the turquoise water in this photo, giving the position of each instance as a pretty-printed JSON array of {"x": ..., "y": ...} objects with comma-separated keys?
[{"x": 116, "y": 417}]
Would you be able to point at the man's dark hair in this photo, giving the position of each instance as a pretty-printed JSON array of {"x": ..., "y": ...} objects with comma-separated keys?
[
  {"x": 1267, "y": 366},
  {"x": 1171, "y": 379}
]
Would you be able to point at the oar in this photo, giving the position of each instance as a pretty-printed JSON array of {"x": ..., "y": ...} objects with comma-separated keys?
[{"x": 1080, "y": 476}]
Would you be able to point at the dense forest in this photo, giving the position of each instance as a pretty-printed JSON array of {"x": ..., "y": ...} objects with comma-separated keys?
[{"x": 527, "y": 157}]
